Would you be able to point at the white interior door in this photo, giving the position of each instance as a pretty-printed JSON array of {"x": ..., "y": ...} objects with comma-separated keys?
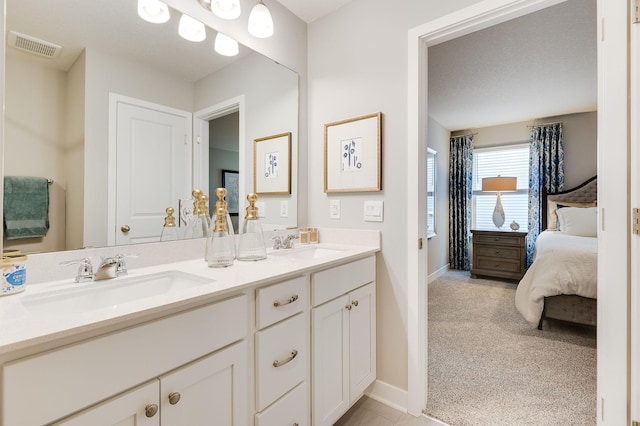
[
  {"x": 154, "y": 163},
  {"x": 201, "y": 155}
]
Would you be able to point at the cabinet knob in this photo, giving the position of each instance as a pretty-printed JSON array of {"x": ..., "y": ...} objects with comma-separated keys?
[
  {"x": 497, "y": 251},
  {"x": 348, "y": 307},
  {"x": 496, "y": 239},
  {"x": 497, "y": 265},
  {"x": 150, "y": 410},
  {"x": 174, "y": 398},
  {"x": 354, "y": 303}
]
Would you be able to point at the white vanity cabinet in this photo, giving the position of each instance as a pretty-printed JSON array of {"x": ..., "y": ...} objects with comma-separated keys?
[
  {"x": 49, "y": 386},
  {"x": 282, "y": 353},
  {"x": 343, "y": 328}
]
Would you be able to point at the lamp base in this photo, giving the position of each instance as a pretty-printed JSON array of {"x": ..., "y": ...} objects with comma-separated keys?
[{"x": 498, "y": 213}]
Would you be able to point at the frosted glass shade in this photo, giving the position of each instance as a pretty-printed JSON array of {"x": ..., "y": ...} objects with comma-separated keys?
[
  {"x": 191, "y": 29},
  {"x": 153, "y": 11},
  {"x": 226, "y": 9},
  {"x": 260, "y": 21},
  {"x": 225, "y": 45}
]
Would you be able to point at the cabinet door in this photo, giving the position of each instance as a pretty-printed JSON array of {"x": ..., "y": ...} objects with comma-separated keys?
[
  {"x": 362, "y": 340},
  {"x": 138, "y": 407},
  {"x": 330, "y": 374},
  {"x": 210, "y": 391}
]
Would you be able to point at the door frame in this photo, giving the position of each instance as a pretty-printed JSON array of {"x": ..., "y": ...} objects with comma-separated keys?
[
  {"x": 612, "y": 123},
  {"x": 635, "y": 239}
]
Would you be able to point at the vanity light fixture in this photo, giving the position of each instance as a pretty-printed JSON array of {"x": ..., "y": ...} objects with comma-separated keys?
[
  {"x": 191, "y": 29},
  {"x": 153, "y": 11},
  {"x": 225, "y": 45},
  {"x": 260, "y": 21},
  {"x": 225, "y": 9}
]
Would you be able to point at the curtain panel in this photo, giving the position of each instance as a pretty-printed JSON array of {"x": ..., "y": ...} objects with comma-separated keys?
[
  {"x": 546, "y": 170},
  {"x": 460, "y": 205}
]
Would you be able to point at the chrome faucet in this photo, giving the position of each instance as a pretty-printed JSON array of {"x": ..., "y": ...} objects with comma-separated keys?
[
  {"x": 110, "y": 267},
  {"x": 85, "y": 270},
  {"x": 107, "y": 269},
  {"x": 283, "y": 241}
]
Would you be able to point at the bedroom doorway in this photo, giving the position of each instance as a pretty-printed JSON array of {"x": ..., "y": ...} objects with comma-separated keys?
[{"x": 612, "y": 107}]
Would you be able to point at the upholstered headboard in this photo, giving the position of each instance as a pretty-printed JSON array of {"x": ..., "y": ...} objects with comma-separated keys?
[{"x": 586, "y": 192}]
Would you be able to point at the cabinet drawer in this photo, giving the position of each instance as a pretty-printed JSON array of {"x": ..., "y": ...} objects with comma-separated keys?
[
  {"x": 292, "y": 409},
  {"x": 280, "y": 301},
  {"x": 506, "y": 240},
  {"x": 281, "y": 359},
  {"x": 56, "y": 381},
  {"x": 501, "y": 252},
  {"x": 495, "y": 264},
  {"x": 329, "y": 284}
]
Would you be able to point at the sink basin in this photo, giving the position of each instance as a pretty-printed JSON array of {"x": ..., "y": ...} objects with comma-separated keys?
[
  {"x": 307, "y": 252},
  {"x": 110, "y": 293}
]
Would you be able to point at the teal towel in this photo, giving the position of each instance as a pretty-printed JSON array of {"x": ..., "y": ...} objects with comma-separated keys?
[{"x": 26, "y": 207}]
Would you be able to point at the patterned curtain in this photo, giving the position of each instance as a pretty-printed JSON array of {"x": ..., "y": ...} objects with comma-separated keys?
[
  {"x": 460, "y": 191},
  {"x": 546, "y": 170}
]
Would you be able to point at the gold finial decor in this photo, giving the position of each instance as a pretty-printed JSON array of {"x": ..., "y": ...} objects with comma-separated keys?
[
  {"x": 170, "y": 221},
  {"x": 196, "y": 193},
  {"x": 203, "y": 205},
  {"x": 252, "y": 210},
  {"x": 221, "y": 219}
]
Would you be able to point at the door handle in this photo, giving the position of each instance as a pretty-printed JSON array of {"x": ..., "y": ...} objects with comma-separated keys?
[{"x": 125, "y": 228}]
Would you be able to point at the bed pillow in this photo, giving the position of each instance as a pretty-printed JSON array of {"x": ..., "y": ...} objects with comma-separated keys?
[
  {"x": 552, "y": 207},
  {"x": 580, "y": 221}
]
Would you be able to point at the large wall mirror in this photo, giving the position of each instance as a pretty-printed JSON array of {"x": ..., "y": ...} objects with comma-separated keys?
[{"x": 64, "y": 115}]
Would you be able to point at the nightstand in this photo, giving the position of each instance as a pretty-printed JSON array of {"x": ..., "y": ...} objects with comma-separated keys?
[{"x": 500, "y": 254}]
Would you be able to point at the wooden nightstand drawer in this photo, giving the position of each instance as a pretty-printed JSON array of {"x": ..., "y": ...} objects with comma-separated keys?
[
  {"x": 495, "y": 239},
  {"x": 498, "y": 251},
  {"x": 498, "y": 265}
]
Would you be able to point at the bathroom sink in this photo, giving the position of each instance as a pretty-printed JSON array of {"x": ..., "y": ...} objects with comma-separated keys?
[
  {"x": 110, "y": 293},
  {"x": 310, "y": 252}
]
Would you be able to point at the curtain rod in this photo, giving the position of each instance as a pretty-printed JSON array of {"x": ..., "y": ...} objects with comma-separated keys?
[
  {"x": 546, "y": 124},
  {"x": 465, "y": 134}
]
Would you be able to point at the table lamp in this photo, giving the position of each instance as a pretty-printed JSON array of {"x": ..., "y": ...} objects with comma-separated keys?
[{"x": 498, "y": 184}]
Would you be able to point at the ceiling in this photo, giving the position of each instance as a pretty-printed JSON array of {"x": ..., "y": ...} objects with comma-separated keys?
[
  {"x": 536, "y": 66},
  {"x": 310, "y": 10}
]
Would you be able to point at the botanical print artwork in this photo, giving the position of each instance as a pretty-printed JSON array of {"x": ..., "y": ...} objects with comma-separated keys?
[
  {"x": 351, "y": 155},
  {"x": 271, "y": 160}
]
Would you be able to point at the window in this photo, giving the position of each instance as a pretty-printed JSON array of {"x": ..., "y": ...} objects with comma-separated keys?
[{"x": 503, "y": 161}]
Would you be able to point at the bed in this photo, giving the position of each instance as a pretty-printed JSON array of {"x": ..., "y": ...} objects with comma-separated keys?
[{"x": 561, "y": 284}]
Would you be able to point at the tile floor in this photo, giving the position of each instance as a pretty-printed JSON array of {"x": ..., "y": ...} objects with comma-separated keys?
[{"x": 369, "y": 412}]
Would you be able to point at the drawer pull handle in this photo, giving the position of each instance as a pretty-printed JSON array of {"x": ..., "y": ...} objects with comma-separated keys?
[
  {"x": 348, "y": 307},
  {"x": 150, "y": 410},
  {"x": 497, "y": 251},
  {"x": 354, "y": 303},
  {"x": 496, "y": 239},
  {"x": 292, "y": 299},
  {"x": 276, "y": 363},
  {"x": 497, "y": 265},
  {"x": 174, "y": 398}
]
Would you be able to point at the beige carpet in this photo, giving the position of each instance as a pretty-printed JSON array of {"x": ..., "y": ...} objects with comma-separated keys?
[{"x": 488, "y": 366}]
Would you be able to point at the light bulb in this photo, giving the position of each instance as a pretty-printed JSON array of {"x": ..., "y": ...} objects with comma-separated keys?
[
  {"x": 225, "y": 45},
  {"x": 191, "y": 29},
  {"x": 226, "y": 9},
  {"x": 260, "y": 21},
  {"x": 153, "y": 11}
]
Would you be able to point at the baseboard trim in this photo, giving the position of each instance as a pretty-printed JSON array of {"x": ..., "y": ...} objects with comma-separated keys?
[
  {"x": 388, "y": 395},
  {"x": 437, "y": 274}
]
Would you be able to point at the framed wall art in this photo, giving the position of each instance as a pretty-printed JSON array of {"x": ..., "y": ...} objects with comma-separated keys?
[
  {"x": 231, "y": 184},
  {"x": 353, "y": 154},
  {"x": 272, "y": 164}
]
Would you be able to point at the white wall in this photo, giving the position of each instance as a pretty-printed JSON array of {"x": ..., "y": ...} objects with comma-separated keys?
[
  {"x": 35, "y": 139},
  {"x": 358, "y": 65},
  {"x": 438, "y": 139},
  {"x": 271, "y": 108}
]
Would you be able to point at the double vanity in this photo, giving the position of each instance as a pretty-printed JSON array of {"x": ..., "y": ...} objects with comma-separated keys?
[{"x": 289, "y": 340}]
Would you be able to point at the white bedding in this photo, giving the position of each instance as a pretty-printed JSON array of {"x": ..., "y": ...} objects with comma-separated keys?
[{"x": 563, "y": 264}]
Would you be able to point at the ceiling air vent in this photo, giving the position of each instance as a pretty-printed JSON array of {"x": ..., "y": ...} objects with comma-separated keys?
[{"x": 33, "y": 45}]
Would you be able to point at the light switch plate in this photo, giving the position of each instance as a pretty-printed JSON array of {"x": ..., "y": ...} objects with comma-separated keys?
[
  {"x": 374, "y": 211},
  {"x": 334, "y": 209},
  {"x": 284, "y": 208}
]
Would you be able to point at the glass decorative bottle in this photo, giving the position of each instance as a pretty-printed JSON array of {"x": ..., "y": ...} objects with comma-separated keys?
[
  {"x": 251, "y": 245},
  {"x": 221, "y": 193},
  {"x": 219, "y": 248},
  {"x": 169, "y": 230},
  {"x": 197, "y": 226}
]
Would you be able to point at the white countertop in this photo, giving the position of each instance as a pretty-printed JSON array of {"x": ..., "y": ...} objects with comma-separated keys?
[{"x": 22, "y": 328}]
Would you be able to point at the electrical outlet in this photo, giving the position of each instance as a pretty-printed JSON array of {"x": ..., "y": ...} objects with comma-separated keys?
[
  {"x": 334, "y": 209},
  {"x": 374, "y": 211}
]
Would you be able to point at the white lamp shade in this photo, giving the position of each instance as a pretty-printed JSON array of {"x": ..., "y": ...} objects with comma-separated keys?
[
  {"x": 226, "y": 9},
  {"x": 153, "y": 11},
  {"x": 191, "y": 29},
  {"x": 225, "y": 45},
  {"x": 260, "y": 21}
]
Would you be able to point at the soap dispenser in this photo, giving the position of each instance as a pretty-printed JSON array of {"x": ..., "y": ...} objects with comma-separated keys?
[
  {"x": 169, "y": 230},
  {"x": 219, "y": 249},
  {"x": 251, "y": 245}
]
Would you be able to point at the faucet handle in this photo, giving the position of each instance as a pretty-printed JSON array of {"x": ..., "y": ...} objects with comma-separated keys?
[
  {"x": 85, "y": 270},
  {"x": 121, "y": 265}
]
